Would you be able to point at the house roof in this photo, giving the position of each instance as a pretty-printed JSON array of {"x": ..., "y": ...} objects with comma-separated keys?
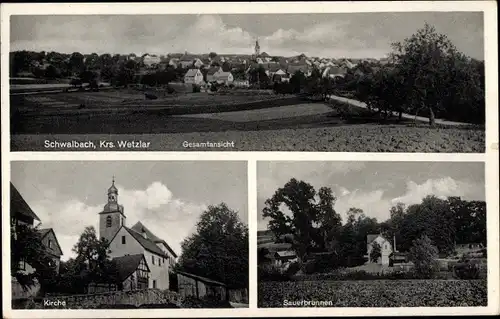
[
  {"x": 187, "y": 58},
  {"x": 200, "y": 278},
  {"x": 139, "y": 227},
  {"x": 264, "y": 54},
  {"x": 222, "y": 75},
  {"x": 126, "y": 265},
  {"x": 213, "y": 70},
  {"x": 371, "y": 237},
  {"x": 191, "y": 72},
  {"x": 147, "y": 244},
  {"x": 18, "y": 205},
  {"x": 286, "y": 254},
  {"x": 45, "y": 231}
]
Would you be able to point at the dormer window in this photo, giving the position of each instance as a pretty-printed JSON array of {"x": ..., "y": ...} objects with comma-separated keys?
[{"x": 108, "y": 222}]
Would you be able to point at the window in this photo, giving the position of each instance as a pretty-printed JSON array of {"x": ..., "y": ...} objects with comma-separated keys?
[
  {"x": 108, "y": 221},
  {"x": 153, "y": 259},
  {"x": 154, "y": 283},
  {"x": 22, "y": 264},
  {"x": 50, "y": 243},
  {"x": 123, "y": 240}
]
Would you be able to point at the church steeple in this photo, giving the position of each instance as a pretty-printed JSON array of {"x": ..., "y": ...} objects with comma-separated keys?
[
  {"x": 257, "y": 48},
  {"x": 113, "y": 193},
  {"x": 112, "y": 217}
]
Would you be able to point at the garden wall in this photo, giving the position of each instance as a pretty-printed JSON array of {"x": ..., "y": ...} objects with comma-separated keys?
[{"x": 133, "y": 297}]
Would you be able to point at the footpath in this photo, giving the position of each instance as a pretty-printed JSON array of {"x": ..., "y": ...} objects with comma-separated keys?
[{"x": 404, "y": 115}]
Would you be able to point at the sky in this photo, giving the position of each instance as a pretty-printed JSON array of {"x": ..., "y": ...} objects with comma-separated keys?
[
  {"x": 374, "y": 187},
  {"x": 167, "y": 197},
  {"x": 351, "y": 35}
]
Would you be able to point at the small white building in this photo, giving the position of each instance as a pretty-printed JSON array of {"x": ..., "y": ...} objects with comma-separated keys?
[
  {"x": 193, "y": 76},
  {"x": 224, "y": 78},
  {"x": 385, "y": 248},
  {"x": 151, "y": 60}
]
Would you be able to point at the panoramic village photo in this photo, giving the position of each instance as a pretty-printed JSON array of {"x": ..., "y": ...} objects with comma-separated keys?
[
  {"x": 346, "y": 82},
  {"x": 371, "y": 234},
  {"x": 104, "y": 235}
]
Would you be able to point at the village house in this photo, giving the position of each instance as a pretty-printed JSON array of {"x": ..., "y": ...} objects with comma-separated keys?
[
  {"x": 137, "y": 240},
  {"x": 22, "y": 214},
  {"x": 191, "y": 285},
  {"x": 150, "y": 60},
  {"x": 193, "y": 76},
  {"x": 385, "y": 248},
  {"x": 225, "y": 78},
  {"x": 212, "y": 72},
  {"x": 333, "y": 72},
  {"x": 133, "y": 272},
  {"x": 284, "y": 258}
]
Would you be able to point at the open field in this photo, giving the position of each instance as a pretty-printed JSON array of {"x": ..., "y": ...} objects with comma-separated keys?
[
  {"x": 376, "y": 293},
  {"x": 259, "y": 122},
  {"x": 57, "y": 103}
]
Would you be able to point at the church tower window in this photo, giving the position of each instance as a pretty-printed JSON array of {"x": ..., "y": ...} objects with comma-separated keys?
[{"x": 108, "y": 221}]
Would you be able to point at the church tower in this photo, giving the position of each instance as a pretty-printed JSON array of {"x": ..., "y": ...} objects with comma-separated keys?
[
  {"x": 257, "y": 48},
  {"x": 112, "y": 217}
]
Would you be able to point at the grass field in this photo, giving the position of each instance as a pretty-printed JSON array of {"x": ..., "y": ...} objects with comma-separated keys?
[
  {"x": 125, "y": 98},
  {"x": 376, "y": 293}
]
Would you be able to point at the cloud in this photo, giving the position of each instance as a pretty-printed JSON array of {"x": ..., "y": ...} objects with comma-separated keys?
[
  {"x": 376, "y": 203},
  {"x": 441, "y": 188},
  {"x": 170, "y": 218}
]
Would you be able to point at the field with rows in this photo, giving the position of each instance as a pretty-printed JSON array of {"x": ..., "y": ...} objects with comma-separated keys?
[{"x": 377, "y": 293}]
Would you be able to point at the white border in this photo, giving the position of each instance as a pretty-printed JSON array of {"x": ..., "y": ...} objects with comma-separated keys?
[{"x": 490, "y": 157}]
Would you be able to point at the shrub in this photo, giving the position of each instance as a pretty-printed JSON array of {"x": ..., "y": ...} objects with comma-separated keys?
[
  {"x": 196, "y": 88},
  {"x": 423, "y": 255},
  {"x": 271, "y": 272},
  {"x": 293, "y": 268},
  {"x": 467, "y": 270}
]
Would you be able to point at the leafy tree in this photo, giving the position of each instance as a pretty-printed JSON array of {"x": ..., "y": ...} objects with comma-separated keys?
[
  {"x": 27, "y": 249},
  {"x": 311, "y": 218},
  {"x": 92, "y": 255},
  {"x": 376, "y": 252},
  {"x": 435, "y": 73},
  {"x": 212, "y": 55},
  {"x": 76, "y": 62},
  {"x": 52, "y": 72},
  {"x": 219, "y": 247},
  {"x": 423, "y": 255},
  {"x": 298, "y": 81}
]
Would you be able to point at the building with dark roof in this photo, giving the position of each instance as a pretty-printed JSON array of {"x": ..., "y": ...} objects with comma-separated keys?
[
  {"x": 22, "y": 214},
  {"x": 132, "y": 271},
  {"x": 159, "y": 257}
]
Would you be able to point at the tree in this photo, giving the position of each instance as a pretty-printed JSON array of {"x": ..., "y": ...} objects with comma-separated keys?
[
  {"x": 298, "y": 81},
  {"x": 212, "y": 55},
  {"x": 423, "y": 255},
  {"x": 376, "y": 252},
  {"x": 219, "y": 247},
  {"x": 52, "y": 72},
  {"x": 436, "y": 74},
  {"x": 27, "y": 249},
  {"x": 93, "y": 253},
  {"x": 76, "y": 62},
  {"x": 310, "y": 216}
]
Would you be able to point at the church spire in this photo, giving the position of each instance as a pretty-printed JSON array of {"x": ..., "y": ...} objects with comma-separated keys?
[
  {"x": 113, "y": 192},
  {"x": 257, "y": 47}
]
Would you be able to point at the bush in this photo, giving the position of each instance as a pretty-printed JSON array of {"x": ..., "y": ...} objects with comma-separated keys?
[
  {"x": 293, "y": 269},
  {"x": 196, "y": 88},
  {"x": 271, "y": 272},
  {"x": 423, "y": 255},
  {"x": 467, "y": 270}
]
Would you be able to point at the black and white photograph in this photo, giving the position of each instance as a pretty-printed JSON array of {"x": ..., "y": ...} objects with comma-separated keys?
[
  {"x": 129, "y": 235},
  {"x": 371, "y": 234},
  {"x": 339, "y": 82}
]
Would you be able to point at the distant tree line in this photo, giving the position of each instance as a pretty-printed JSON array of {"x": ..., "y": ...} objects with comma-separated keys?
[{"x": 312, "y": 225}]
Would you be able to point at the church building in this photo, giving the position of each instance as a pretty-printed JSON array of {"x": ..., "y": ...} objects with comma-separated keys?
[{"x": 143, "y": 260}]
